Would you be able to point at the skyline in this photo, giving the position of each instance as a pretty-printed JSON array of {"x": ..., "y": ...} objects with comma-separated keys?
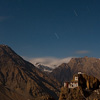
[{"x": 51, "y": 28}]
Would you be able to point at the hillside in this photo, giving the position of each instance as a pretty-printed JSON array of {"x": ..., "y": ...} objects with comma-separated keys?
[
  {"x": 20, "y": 79},
  {"x": 65, "y": 71}
]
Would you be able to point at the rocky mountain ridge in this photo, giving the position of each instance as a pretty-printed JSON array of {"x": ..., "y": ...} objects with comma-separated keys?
[{"x": 22, "y": 80}]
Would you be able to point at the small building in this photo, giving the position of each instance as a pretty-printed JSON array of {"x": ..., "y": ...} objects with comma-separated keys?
[
  {"x": 80, "y": 73},
  {"x": 66, "y": 84},
  {"x": 73, "y": 85},
  {"x": 76, "y": 78}
]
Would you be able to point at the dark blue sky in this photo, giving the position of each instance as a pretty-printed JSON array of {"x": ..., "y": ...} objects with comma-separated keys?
[{"x": 51, "y": 28}]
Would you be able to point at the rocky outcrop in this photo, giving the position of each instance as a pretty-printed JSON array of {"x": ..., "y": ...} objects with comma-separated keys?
[
  {"x": 71, "y": 94},
  {"x": 89, "y": 82},
  {"x": 88, "y": 89}
]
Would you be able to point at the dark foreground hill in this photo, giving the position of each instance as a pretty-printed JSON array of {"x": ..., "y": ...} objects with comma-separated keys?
[
  {"x": 65, "y": 71},
  {"x": 20, "y": 80}
]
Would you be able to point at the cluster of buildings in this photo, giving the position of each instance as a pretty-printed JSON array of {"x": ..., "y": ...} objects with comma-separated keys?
[
  {"x": 74, "y": 83},
  {"x": 83, "y": 80}
]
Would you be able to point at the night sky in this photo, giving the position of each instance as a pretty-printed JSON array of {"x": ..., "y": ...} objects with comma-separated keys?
[{"x": 51, "y": 28}]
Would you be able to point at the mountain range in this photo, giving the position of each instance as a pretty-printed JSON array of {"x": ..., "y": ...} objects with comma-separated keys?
[
  {"x": 21, "y": 80},
  {"x": 88, "y": 65}
]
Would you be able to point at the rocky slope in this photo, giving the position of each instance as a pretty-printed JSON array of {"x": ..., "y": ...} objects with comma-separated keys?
[
  {"x": 20, "y": 80},
  {"x": 65, "y": 72}
]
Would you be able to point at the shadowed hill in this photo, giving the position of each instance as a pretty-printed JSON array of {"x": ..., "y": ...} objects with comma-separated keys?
[{"x": 21, "y": 78}]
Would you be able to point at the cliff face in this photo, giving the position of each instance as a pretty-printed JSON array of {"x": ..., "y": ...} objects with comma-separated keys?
[
  {"x": 22, "y": 79},
  {"x": 65, "y": 72},
  {"x": 88, "y": 89},
  {"x": 89, "y": 82}
]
